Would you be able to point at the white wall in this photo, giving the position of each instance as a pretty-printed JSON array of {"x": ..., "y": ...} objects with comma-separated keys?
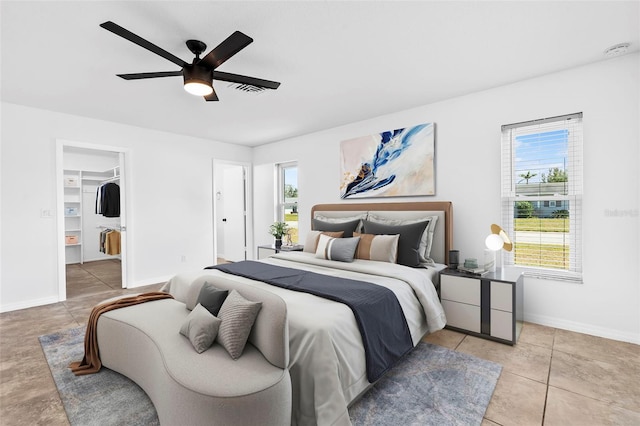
[
  {"x": 468, "y": 174},
  {"x": 169, "y": 215}
]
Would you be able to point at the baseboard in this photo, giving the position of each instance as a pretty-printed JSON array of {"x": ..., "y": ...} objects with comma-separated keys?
[
  {"x": 28, "y": 304},
  {"x": 98, "y": 259},
  {"x": 149, "y": 281},
  {"x": 579, "y": 327}
]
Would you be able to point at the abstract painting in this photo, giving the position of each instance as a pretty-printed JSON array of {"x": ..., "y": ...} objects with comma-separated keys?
[{"x": 393, "y": 163}]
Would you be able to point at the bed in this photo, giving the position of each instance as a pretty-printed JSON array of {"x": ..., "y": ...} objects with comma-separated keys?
[{"x": 328, "y": 364}]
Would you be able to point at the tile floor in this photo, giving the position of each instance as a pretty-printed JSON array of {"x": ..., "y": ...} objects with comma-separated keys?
[
  {"x": 551, "y": 377},
  {"x": 557, "y": 377}
]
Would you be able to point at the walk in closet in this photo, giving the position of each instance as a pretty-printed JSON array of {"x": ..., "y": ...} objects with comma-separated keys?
[
  {"x": 92, "y": 221},
  {"x": 91, "y": 228}
]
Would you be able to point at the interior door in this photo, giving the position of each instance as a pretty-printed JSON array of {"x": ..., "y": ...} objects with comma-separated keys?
[
  {"x": 234, "y": 213},
  {"x": 123, "y": 220}
]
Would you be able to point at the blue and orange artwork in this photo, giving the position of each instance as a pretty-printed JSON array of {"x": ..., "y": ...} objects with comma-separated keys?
[{"x": 392, "y": 163}]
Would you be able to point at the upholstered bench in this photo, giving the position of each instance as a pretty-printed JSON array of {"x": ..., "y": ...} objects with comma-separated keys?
[{"x": 143, "y": 342}]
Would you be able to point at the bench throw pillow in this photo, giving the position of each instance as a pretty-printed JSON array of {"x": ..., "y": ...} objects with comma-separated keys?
[
  {"x": 238, "y": 315},
  {"x": 201, "y": 328},
  {"x": 212, "y": 298}
]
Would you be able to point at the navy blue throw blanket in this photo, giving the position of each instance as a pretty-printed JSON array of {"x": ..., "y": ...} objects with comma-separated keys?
[{"x": 384, "y": 329}]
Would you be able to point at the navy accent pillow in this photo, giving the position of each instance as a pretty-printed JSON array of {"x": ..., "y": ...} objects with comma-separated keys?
[
  {"x": 347, "y": 227},
  {"x": 212, "y": 298},
  {"x": 408, "y": 243}
]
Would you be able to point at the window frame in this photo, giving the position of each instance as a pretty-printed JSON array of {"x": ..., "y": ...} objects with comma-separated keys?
[
  {"x": 281, "y": 202},
  {"x": 573, "y": 197}
]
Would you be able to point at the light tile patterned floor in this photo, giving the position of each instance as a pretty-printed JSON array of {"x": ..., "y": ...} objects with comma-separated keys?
[
  {"x": 551, "y": 377},
  {"x": 557, "y": 377}
]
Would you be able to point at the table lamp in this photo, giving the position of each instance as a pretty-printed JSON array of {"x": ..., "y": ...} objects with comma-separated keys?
[{"x": 498, "y": 239}]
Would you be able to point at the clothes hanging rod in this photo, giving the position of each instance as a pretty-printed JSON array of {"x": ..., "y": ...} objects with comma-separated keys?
[
  {"x": 118, "y": 227},
  {"x": 111, "y": 179}
]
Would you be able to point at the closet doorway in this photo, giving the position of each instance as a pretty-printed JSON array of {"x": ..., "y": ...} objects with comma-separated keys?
[
  {"x": 91, "y": 212},
  {"x": 231, "y": 211}
]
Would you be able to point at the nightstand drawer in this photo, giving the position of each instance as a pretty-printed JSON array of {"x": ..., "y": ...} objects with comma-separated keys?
[
  {"x": 501, "y": 296},
  {"x": 460, "y": 289},
  {"x": 502, "y": 324},
  {"x": 461, "y": 315}
]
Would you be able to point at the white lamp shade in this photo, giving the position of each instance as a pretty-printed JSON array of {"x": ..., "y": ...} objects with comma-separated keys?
[{"x": 494, "y": 242}]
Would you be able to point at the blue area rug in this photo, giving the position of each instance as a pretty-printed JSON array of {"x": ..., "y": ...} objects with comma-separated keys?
[
  {"x": 430, "y": 386},
  {"x": 104, "y": 398}
]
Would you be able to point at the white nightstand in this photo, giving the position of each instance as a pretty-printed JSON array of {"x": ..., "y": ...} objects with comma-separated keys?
[
  {"x": 268, "y": 250},
  {"x": 488, "y": 306}
]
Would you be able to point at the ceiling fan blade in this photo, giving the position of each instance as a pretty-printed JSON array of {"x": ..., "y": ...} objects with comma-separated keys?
[
  {"x": 211, "y": 97},
  {"x": 124, "y": 33},
  {"x": 142, "y": 75},
  {"x": 229, "y": 47},
  {"x": 243, "y": 79}
]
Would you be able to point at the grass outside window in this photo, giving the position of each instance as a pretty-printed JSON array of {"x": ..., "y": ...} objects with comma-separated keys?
[{"x": 555, "y": 256}]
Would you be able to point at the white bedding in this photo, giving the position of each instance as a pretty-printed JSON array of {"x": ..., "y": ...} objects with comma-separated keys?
[{"x": 327, "y": 361}]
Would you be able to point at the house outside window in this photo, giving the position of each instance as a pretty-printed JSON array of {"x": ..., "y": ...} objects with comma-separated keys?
[
  {"x": 542, "y": 196},
  {"x": 288, "y": 199}
]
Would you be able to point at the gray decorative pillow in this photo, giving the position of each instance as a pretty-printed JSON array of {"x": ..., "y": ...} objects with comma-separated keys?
[
  {"x": 347, "y": 227},
  {"x": 409, "y": 242},
  {"x": 201, "y": 328},
  {"x": 426, "y": 240},
  {"x": 238, "y": 315},
  {"x": 212, "y": 298},
  {"x": 340, "y": 249}
]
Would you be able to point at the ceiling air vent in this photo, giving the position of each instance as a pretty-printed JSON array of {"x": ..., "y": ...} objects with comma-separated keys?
[
  {"x": 247, "y": 88},
  {"x": 617, "y": 50}
]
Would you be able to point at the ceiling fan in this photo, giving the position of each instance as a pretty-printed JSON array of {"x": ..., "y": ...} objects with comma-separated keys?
[{"x": 200, "y": 73}]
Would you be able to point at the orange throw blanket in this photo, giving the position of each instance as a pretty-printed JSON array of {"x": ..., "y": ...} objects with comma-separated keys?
[{"x": 91, "y": 362}]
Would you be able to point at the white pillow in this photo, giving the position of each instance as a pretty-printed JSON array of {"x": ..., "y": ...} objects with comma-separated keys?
[{"x": 334, "y": 219}]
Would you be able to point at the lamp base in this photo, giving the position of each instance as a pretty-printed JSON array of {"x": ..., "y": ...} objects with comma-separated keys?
[{"x": 489, "y": 260}]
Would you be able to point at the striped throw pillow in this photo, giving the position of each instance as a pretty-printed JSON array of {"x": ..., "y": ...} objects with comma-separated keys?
[{"x": 383, "y": 248}]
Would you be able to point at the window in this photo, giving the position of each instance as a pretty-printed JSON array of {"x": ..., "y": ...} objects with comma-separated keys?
[
  {"x": 288, "y": 198},
  {"x": 542, "y": 195}
]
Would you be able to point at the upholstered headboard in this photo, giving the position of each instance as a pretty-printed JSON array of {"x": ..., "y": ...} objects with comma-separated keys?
[{"x": 443, "y": 235}]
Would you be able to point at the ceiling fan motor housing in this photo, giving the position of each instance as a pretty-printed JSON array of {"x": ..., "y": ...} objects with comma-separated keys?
[{"x": 197, "y": 74}]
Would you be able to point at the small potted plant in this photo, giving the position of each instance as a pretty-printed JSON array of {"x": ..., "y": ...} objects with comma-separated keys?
[{"x": 279, "y": 230}]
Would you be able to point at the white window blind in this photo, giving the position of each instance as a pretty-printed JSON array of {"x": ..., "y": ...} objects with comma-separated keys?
[{"x": 542, "y": 196}]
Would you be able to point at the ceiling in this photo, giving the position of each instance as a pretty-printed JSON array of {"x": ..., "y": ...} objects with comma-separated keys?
[{"x": 338, "y": 62}]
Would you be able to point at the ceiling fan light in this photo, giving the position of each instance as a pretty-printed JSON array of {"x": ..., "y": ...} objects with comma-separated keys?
[
  {"x": 198, "y": 88},
  {"x": 198, "y": 80}
]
